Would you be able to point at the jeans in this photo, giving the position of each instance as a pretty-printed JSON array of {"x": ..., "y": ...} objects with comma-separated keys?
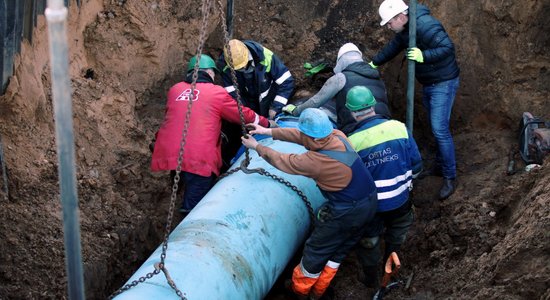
[
  {"x": 438, "y": 99},
  {"x": 196, "y": 187}
]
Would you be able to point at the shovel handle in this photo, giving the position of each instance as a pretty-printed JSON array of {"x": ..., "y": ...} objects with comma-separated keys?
[{"x": 392, "y": 266}]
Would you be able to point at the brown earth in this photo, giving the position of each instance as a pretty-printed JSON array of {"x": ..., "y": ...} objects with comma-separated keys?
[{"x": 490, "y": 240}]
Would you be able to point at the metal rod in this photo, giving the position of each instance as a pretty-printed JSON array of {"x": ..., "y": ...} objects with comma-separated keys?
[
  {"x": 229, "y": 20},
  {"x": 56, "y": 15},
  {"x": 4, "y": 171},
  {"x": 412, "y": 64}
]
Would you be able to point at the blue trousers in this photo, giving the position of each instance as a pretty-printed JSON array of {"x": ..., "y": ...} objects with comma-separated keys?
[
  {"x": 438, "y": 99},
  {"x": 196, "y": 187}
]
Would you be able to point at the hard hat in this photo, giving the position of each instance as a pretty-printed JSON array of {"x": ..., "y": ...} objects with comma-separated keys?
[
  {"x": 359, "y": 98},
  {"x": 206, "y": 62},
  {"x": 348, "y": 47},
  {"x": 239, "y": 54},
  {"x": 314, "y": 122},
  {"x": 389, "y": 9}
]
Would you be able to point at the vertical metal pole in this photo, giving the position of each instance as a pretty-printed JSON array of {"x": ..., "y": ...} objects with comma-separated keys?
[
  {"x": 4, "y": 171},
  {"x": 411, "y": 66},
  {"x": 56, "y": 15},
  {"x": 229, "y": 19}
]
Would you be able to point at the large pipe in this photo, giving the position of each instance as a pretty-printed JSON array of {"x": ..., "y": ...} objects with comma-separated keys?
[
  {"x": 411, "y": 66},
  {"x": 237, "y": 240},
  {"x": 56, "y": 15}
]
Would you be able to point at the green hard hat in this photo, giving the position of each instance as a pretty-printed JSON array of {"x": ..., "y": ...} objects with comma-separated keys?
[
  {"x": 359, "y": 98},
  {"x": 206, "y": 62}
]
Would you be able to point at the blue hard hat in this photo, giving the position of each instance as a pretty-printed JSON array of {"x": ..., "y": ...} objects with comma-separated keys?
[{"x": 314, "y": 122}]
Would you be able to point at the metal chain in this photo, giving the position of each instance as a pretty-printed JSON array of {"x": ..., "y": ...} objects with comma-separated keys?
[
  {"x": 263, "y": 172},
  {"x": 246, "y": 161},
  {"x": 160, "y": 266},
  {"x": 229, "y": 59}
]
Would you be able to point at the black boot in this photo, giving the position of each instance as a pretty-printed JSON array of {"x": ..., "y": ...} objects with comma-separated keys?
[
  {"x": 448, "y": 188},
  {"x": 370, "y": 278}
]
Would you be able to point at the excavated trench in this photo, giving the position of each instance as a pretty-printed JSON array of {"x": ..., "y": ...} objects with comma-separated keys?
[{"x": 483, "y": 243}]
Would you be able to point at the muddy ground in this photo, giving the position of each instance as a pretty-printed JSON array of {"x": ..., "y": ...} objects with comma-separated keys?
[{"x": 490, "y": 240}]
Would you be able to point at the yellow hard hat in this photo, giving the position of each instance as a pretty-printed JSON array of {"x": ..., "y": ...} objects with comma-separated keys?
[{"x": 239, "y": 54}]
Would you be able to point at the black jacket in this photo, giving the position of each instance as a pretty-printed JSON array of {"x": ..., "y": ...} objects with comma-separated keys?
[
  {"x": 360, "y": 73},
  {"x": 436, "y": 45}
]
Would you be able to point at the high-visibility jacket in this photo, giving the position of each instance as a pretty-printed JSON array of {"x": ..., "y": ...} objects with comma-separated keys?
[
  {"x": 270, "y": 86},
  {"x": 202, "y": 152},
  {"x": 391, "y": 155}
]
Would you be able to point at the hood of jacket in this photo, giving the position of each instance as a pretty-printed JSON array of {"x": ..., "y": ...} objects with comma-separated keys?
[
  {"x": 202, "y": 78},
  {"x": 363, "y": 69}
]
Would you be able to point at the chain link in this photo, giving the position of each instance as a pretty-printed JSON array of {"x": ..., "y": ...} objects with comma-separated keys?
[
  {"x": 229, "y": 59},
  {"x": 246, "y": 161},
  {"x": 160, "y": 266}
]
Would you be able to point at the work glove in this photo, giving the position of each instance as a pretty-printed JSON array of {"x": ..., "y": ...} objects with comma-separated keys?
[
  {"x": 415, "y": 54},
  {"x": 373, "y": 65},
  {"x": 289, "y": 108},
  {"x": 324, "y": 214}
]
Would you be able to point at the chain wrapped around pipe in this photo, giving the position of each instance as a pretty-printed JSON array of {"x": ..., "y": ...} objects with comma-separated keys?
[
  {"x": 160, "y": 266},
  {"x": 246, "y": 161}
]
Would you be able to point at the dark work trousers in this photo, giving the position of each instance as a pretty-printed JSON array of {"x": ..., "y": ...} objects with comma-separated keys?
[
  {"x": 393, "y": 226},
  {"x": 196, "y": 187},
  {"x": 336, "y": 232}
]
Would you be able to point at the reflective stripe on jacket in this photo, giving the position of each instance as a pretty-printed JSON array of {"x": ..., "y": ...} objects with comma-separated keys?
[
  {"x": 390, "y": 154},
  {"x": 270, "y": 86},
  {"x": 361, "y": 185}
]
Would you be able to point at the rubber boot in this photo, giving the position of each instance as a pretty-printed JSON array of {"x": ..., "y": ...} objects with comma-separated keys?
[{"x": 448, "y": 188}]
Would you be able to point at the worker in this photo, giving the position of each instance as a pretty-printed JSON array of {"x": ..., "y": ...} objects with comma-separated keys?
[
  {"x": 437, "y": 71},
  {"x": 392, "y": 157},
  {"x": 343, "y": 180},
  {"x": 351, "y": 70},
  {"x": 264, "y": 82},
  {"x": 202, "y": 159}
]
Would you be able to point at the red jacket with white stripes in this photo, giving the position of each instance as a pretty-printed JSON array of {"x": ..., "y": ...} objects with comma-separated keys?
[{"x": 202, "y": 152}]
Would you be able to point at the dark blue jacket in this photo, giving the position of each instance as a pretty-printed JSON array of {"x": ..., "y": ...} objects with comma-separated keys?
[
  {"x": 270, "y": 86},
  {"x": 360, "y": 188},
  {"x": 437, "y": 49},
  {"x": 391, "y": 156}
]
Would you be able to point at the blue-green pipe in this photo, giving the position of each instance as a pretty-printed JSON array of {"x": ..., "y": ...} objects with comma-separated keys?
[
  {"x": 237, "y": 240},
  {"x": 56, "y": 15},
  {"x": 411, "y": 66}
]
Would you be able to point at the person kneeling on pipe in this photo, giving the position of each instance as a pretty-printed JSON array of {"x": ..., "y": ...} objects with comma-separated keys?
[{"x": 344, "y": 181}]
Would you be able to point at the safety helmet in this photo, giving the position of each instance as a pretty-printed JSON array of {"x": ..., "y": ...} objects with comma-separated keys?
[
  {"x": 347, "y": 47},
  {"x": 239, "y": 54},
  {"x": 389, "y": 9},
  {"x": 206, "y": 62},
  {"x": 314, "y": 122},
  {"x": 359, "y": 98}
]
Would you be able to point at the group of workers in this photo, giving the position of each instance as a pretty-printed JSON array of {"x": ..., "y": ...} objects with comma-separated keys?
[{"x": 364, "y": 167}]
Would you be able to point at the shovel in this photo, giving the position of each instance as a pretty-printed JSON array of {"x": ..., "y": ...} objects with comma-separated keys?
[{"x": 391, "y": 268}]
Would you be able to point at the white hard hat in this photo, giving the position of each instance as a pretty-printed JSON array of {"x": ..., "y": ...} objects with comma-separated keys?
[
  {"x": 347, "y": 47},
  {"x": 391, "y": 8}
]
